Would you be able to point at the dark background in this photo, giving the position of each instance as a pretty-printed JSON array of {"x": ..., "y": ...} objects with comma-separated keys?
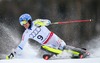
[{"x": 75, "y": 34}]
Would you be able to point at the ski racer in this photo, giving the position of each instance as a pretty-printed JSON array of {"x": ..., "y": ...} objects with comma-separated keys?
[{"x": 38, "y": 31}]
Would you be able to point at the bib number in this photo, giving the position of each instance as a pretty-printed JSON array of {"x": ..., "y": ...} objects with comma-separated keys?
[{"x": 40, "y": 37}]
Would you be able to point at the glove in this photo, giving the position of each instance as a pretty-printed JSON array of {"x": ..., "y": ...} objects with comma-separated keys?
[
  {"x": 47, "y": 22},
  {"x": 42, "y": 22},
  {"x": 11, "y": 55}
]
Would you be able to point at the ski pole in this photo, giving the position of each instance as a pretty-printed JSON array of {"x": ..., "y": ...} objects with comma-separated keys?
[{"x": 71, "y": 21}]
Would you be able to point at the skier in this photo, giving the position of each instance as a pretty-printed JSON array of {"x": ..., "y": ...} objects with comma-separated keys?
[{"x": 38, "y": 31}]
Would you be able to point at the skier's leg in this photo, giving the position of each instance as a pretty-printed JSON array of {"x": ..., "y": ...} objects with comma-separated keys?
[{"x": 62, "y": 45}]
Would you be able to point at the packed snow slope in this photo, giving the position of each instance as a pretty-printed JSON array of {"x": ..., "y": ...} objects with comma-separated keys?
[{"x": 89, "y": 60}]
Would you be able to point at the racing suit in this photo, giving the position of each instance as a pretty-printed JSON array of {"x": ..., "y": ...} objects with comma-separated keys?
[{"x": 41, "y": 34}]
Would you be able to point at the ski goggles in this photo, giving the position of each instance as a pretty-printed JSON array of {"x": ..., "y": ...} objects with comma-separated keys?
[{"x": 23, "y": 22}]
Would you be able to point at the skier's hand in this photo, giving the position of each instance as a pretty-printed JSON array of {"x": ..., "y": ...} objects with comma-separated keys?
[
  {"x": 47, "y": 22},
  {"x": 42, "y": 22},
  {"x": 11, "y": 55}
]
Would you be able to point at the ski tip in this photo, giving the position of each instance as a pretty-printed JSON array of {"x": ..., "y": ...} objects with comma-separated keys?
[{"x": 46, "y": 57}]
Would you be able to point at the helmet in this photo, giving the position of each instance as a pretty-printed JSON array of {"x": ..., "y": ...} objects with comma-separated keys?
[{"x": 24, "y": 18}]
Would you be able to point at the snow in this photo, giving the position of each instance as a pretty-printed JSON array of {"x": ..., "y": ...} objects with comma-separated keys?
[
  {"x": 27, "y": 57},
  {"x": 89, "y": 60}
]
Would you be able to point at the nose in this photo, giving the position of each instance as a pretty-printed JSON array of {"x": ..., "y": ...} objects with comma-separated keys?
[{"x": 25, "y": 24}]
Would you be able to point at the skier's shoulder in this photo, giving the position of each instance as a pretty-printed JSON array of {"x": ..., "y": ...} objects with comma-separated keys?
[{"x": 33, "y": 22}]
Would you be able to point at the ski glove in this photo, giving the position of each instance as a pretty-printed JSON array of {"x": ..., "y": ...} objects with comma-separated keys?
[
  {"x": 11, "y": 55},
  {"x": 42, "y": 22}
]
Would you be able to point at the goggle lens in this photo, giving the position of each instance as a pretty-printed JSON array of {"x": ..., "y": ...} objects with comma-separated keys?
[{"x": 23, "y": 22}]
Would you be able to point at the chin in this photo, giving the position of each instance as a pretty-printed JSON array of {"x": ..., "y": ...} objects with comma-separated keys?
[{"x": 26, "y": 27}]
